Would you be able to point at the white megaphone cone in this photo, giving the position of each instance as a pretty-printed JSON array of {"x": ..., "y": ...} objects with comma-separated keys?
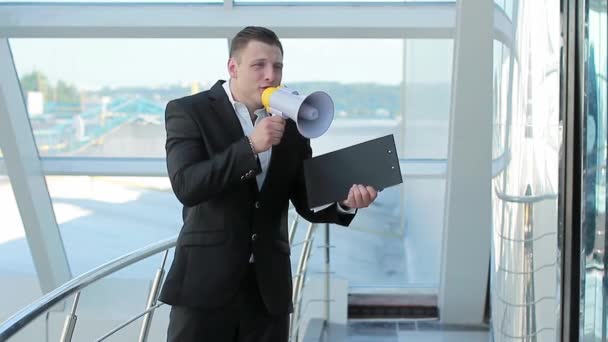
[{"x": 312, "y": 114}]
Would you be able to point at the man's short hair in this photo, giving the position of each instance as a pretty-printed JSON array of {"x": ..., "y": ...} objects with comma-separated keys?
[{"x": 256, "y": 33}]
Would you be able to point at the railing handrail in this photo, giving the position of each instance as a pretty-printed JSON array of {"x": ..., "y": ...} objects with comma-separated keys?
[{"x": 22, "y": 318}]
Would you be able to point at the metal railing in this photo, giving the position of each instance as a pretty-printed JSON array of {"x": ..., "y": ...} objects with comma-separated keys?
[
  {"x": 74, "y": 287},
  {"x": 300, "y": 282},
  {"x": 528, "y": 329},
  {"x": 25, "y": 316}
]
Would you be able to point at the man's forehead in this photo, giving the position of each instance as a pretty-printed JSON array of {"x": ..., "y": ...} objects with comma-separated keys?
[{"x": 260, "y": 50}]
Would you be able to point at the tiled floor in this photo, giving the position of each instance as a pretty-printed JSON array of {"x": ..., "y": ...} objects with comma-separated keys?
[{"x": 424, "y": 331}]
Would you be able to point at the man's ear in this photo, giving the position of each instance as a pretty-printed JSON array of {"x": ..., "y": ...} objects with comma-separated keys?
[{"x": 232, "y": 66}]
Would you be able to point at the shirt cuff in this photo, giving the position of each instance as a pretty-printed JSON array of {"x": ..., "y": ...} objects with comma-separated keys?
[{"x": 345, "y": 210}]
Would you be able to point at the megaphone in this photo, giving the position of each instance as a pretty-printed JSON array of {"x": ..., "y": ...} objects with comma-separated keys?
[{"x": 312, "y": 114}]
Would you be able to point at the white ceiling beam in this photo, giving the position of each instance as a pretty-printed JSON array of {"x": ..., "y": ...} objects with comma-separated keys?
[
  {"x": 215, "y": 21},
  {"x": 405, "y": 20}
]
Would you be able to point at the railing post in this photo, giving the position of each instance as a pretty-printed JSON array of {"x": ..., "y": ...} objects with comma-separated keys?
[
  {"x": 70, "y": 321},
  {"x": 152, "y": 296},
  {"x": 299, "y": 282},
  {"x": 292, "y": 229},
  {"x": 530, "y": 330},
  {"x": 327, "y": 283}
]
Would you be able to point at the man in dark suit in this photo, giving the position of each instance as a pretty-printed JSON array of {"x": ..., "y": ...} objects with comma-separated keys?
[{"x": 235, "y": 169}]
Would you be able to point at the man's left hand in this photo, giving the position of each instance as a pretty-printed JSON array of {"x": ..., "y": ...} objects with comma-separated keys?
[{"x": 360, "y": 196}]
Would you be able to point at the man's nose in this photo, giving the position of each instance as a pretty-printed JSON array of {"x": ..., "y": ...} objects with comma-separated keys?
[{"x": 270, "y": 74}]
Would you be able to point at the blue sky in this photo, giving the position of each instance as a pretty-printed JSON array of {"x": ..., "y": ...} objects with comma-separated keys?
[{"x": 93, "y": 63}]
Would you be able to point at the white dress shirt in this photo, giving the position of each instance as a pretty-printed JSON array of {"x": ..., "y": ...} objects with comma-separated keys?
[{"x": 245, "y": 119}]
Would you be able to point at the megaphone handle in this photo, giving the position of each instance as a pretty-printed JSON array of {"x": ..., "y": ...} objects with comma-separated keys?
[{"x": 273, "y": 111}]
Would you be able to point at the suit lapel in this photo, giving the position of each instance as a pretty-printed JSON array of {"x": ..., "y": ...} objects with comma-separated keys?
[{"x": 224, "y": 112}]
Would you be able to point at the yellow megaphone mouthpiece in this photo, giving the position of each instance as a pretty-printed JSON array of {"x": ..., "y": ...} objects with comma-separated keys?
[{"x": 266, "y": 94}]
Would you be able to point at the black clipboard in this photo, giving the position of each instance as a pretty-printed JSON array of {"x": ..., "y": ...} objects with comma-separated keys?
[{"x": 330, "y": 176}]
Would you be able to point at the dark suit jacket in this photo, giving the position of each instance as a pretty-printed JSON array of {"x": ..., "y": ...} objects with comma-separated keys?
[{"x": 212, "y": 171}]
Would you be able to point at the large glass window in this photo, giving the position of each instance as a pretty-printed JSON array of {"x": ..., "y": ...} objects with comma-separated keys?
[
  {"x": 106, "y": 97},
  {"x": 388, "y": 244},
  {"x": 366, "y": 101},
  {"x": 428, "y": 74},
  {"x": 120, "y": 214},
  {"x": 16, "y": 266}
]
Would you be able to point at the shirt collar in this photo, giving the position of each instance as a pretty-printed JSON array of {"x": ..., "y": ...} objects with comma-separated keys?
[{"x": 260, "y": 113}]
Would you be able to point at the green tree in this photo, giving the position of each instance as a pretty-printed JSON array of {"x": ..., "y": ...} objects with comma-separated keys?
[
  {"x": 36, "y": 81},
  {"x": 66, "y": 93},
  {"x": 62, "y": 92}
]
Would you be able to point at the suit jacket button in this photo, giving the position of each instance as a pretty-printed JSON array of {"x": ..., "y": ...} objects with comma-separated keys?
[
  {"x": 254, "y": 237},
  {"x": 257, "y": 205}
]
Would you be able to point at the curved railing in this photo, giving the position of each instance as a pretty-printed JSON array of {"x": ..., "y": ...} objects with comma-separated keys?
[
  {"x": 22, "y": 318},
  {"x": 74, "y": 287}
]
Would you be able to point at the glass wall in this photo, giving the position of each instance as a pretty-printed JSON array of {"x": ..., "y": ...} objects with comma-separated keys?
[
  {"x": 107, "y": 97},
  {"x": 594, "y": 281},
  {"x": 396, "y": 243},
  {"x": 428, "y": 73},
  {"x": 526, "y": 144},
  {"x": 121, "y": 214}
]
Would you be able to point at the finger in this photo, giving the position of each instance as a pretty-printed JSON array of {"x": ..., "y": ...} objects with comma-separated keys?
[
  {"x": 276, "y": 135},
  {"x": 365, "y": 196},
  {"x": 277, "y": 124},
  {"x": 358, "y": 199},
  {"x": 351, "y": 197},
  {"x": 277, "y": 119},
  {"x": 277, "y": 128},
  {"x": 373, "y": 193}
]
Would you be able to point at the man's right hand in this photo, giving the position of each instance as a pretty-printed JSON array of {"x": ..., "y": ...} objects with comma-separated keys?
[{"x": 267, "y": 133}]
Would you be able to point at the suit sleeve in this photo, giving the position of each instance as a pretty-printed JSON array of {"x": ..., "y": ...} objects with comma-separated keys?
[
  {"x": 195, "y": 175},
  {"x": 300, "y": 201}
]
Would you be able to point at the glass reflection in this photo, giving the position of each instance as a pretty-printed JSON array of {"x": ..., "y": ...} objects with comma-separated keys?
[
  {"x": 594, "y": 280},
  {"x": 525, "y": 151}
]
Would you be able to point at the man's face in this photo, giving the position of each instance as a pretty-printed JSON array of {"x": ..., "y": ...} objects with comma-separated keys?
[{"x": 253, "y": 69}]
